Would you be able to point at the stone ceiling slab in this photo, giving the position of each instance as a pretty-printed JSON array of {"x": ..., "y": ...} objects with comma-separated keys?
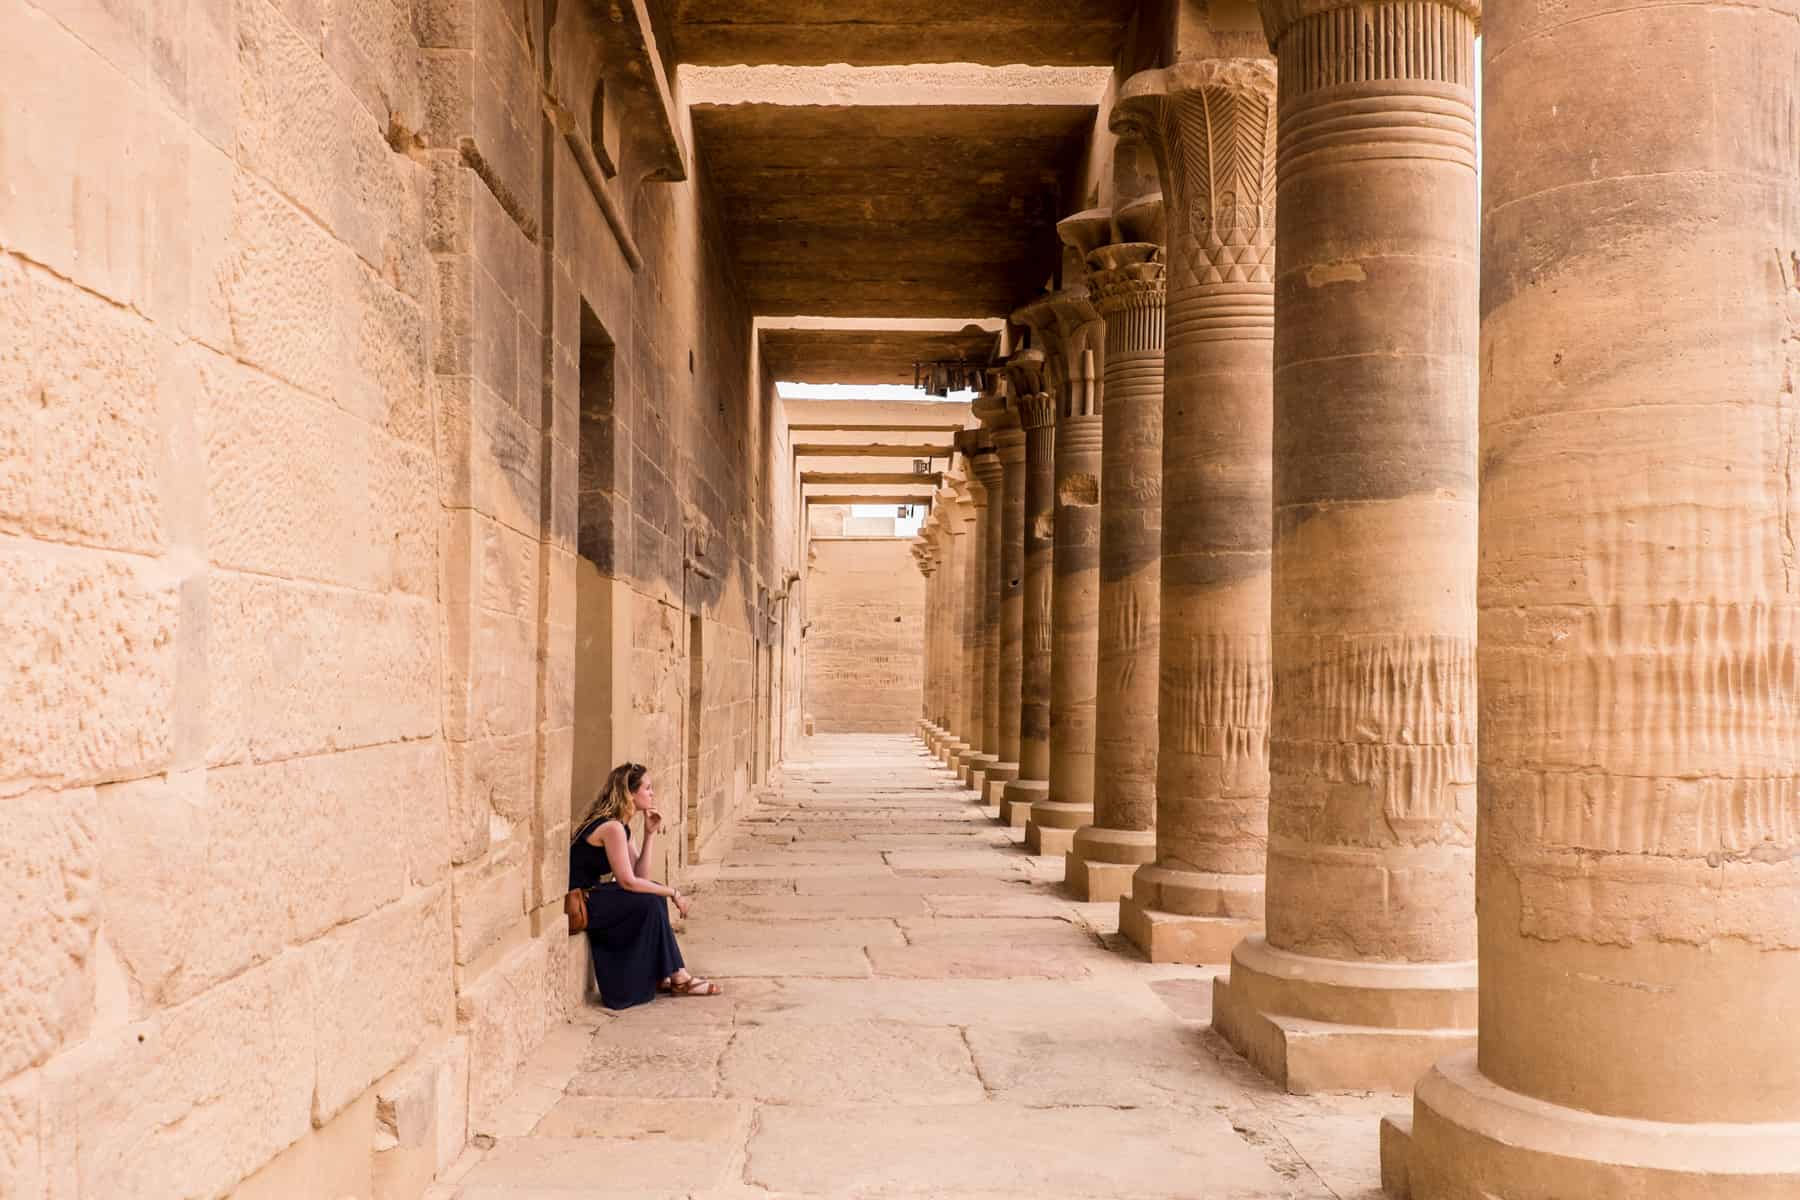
[
  {"x": 869, "y": 32},
  {"x": 908, "y": 211},
  {"x": 867, "y": 356}
]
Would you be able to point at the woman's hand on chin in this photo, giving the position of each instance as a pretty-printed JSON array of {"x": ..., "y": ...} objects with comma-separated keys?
[{"x": 652, "y": 820}]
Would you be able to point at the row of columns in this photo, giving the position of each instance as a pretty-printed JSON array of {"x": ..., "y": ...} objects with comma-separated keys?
[{"x": 1275, "y": 638}]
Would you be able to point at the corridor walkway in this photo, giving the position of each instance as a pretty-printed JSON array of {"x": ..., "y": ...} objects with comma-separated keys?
[{"x": 913, "y": 1009}]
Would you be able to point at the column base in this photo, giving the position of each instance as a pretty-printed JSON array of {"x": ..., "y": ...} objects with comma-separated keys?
[
  {"x": 951, "y": 748},
  {"x": 1052, "y": 825},
  {"x": 1017, "y": 797},
  {"x": 973, "y": 770},
  {"x": 1180, "y": 915},
  {"x": 1100, "y": 862},
  {"x": 1321, "y": 1024},
  {"x": 993, "y": 784},
  {"x": 1166, "y": 937},
  {"x": 1471, "y": 1138}
]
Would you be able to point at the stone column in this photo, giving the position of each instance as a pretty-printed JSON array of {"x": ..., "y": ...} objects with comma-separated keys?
[
  {"x": 971, "y": 445},
  {"x": 1036, "y": 409},
  {"x": 994, "y": 771},
  {"x": 1211, "y": 126},
  {"x": 921, "y": 552},
  {"x": 1074, "y": 339},
  {"x": 957, "y": 555},
  {"x": 1126, "y": 283},
  {"x": 1367, "y": 972},
  {"x": 1638, "y": 857},
  {"x": 940, "y": 610},
  {"x": 1008, "y": 528}
]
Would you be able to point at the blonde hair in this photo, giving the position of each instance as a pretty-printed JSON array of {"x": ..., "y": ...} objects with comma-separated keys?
[{"x": 615, "y": 802}]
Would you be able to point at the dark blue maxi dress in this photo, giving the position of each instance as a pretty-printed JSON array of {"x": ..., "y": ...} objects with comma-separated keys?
[{"x": 629, "y": 933}]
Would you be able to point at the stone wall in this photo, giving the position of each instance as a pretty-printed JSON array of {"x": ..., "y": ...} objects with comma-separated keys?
[
  {"x": 293, "y": 316},
  {"x": 865, "y": 602}
]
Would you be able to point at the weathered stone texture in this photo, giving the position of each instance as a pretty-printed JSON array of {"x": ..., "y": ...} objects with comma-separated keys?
[
  {"x": 1636, "y": 837},
  {"x": 48, "y": 862},
  {"x": 865, "y": 599},
  {"x": 93, "y": 669},
  {"x": 377, "y": 986},
  {"x": 190, "y": 1100}
]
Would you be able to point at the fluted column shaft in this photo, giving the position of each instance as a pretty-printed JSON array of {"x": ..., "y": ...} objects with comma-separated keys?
[
  {"x": 1371, "y": 743},
  {"x": 1638, "y": 857},
  {"x": 1010, "y": 449},
  {"x": 1037, "y": 418},
  {"x": 974, "y": 624},
  {"x": 922, "y": 555},
  {"x": 1039, "y": 528},
  {"x": 956, "y": 537},
  {"x": 946, "y": 571},
  {"x": 1211, "y": 124},
  {"x": 1072, "y": 336},
  {"x": 992, "y": 476},
  {"x": 975, "y": 450},
  {"x": 1075, "y": 615},
  {"x": 1125, "y": 285}
]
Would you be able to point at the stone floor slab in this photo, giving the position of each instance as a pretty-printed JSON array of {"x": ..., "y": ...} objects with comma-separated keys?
[
  {"x": 674, "y": 1120},
  {"x": 1001, "y": 931},
  {"x": 579, "y": 1168},
  {"x": 830, "y": 906},
  {"x": 957, "y": 960},
  {"x": 854, "y": 1062},
  {"x": 744, "y": 932},
  {"x": 776, "y": 961},
  {"x": 675, "y": 1064},
  {"x": 1003, "y": 1149}
]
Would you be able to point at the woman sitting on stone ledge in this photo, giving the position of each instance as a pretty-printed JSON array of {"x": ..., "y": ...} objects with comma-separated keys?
[{"x": 634, "y": 949}]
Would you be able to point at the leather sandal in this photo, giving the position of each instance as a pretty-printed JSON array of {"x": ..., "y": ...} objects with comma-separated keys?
[{"x": 693, "y": 985}]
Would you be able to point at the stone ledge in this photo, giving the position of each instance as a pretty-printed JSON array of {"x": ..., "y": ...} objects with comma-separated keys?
[
  {"x": 1471, "y": 1136},
  {"x": 1049, "y": 840},
  {"x": 1304, "y": 1056},
  {"x": 1167, "y": 937},
  {"x": 1396, "y": 1152},
  {"x": 1097, "y": 882}
]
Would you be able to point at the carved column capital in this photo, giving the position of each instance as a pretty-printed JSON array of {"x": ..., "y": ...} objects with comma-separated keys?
[
  {"x": 991, "y": 406},
  {"x": 1124, "y": 274},
  {"x": 976, "y": 446},
  {"x": 1033, "y": 398},
  {"x": 1211, "y": 125},
  {"x": 1141, "y": 220}
]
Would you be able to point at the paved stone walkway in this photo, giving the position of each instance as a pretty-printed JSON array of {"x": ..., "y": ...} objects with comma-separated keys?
[{"x": 913, "y": 1009}]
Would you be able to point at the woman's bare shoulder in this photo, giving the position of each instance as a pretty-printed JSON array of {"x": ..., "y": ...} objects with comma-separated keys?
[{"x": 597, "y": 835}]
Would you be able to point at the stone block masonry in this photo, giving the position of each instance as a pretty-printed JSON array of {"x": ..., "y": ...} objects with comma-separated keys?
[
  {"x": 864, "y": 663},
  {"x": 289, "y": 392}
]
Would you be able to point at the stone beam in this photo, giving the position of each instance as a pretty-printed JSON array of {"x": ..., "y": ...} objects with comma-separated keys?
[
  {"x": 841, "y": 85},
  {"x": 897, "y": 478},
  {"x": 917, "y": 498},
  {"x": 863, "y": 350},
  {"x": 881, "y": 31},
  {"x": 870, "y": 427},
  {"x": 821, "y": 449}
]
